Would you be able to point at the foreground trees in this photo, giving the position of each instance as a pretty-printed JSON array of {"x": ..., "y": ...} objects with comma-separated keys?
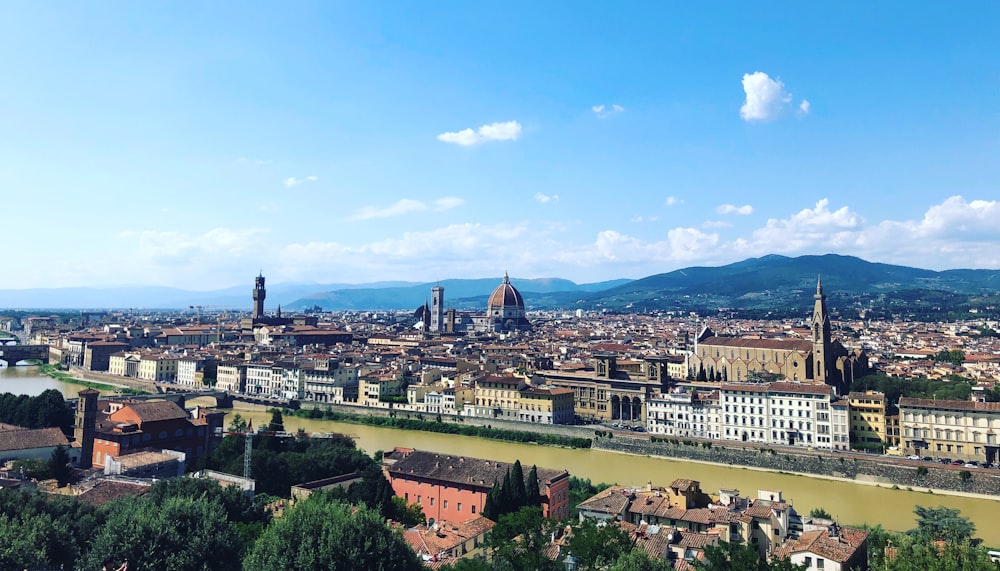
[
  {"x": 179, "y": 534},
  {"x": 324, "y": 533}
]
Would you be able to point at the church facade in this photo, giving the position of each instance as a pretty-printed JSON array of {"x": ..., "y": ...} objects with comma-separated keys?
[{"x": 818, "y": 359}]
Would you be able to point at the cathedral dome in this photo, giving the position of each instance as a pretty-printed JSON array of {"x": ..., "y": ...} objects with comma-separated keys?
[{"x": 505, "y": 296}]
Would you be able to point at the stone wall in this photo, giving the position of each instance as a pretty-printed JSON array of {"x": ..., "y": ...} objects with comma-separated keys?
[{"x": 904, "y": 475}]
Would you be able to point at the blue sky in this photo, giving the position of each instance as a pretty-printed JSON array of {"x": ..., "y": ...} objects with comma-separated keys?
[{"x": 194, "y": 144}]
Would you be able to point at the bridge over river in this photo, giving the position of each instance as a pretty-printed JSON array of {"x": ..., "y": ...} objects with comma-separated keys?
[{"x": 20, "y": 355}]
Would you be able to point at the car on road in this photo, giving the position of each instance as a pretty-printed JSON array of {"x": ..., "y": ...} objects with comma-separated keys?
[{"x": 913, "y": 457}]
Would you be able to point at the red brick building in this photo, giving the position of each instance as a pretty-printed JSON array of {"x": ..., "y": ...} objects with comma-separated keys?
[
  {"x": 454, "y": 488},
  {"x": 125, "y": 427}
]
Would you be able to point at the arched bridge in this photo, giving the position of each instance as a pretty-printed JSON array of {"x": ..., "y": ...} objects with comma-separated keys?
[{"x": 13, "y": 355}]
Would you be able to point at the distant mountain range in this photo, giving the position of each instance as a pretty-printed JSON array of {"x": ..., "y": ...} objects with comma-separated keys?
[{"x": 775, "y": 286}]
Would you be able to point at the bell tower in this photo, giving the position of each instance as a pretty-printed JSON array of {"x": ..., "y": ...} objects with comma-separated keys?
[
  {"x": 85, "y": 425},
  {"x": 820, "y": 334},
  {"x": 437, "y": 309},
  {"x": 259, "y": 293}
]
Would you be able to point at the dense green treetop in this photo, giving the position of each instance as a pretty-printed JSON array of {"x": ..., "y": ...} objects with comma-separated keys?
[{"x": 323, "y": 533}]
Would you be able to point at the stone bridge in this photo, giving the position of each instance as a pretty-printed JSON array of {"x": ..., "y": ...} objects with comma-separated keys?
[{"x": 13, "y": 355}]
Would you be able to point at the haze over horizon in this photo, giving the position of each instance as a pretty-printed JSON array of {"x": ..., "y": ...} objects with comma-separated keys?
[{"x": 191, "y": 145}]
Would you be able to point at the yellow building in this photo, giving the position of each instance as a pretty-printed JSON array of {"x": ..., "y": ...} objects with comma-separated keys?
[
  {"x": 868, "y": 418},
  {"x": 158, "y": 368},
  {"x": 960, "y": 430},
  {"x": 498, "y": 397},
  {"x": 546, "y": 405},
  {"x": 617, "y": 390},
  {"x": 374, "y": 390}
]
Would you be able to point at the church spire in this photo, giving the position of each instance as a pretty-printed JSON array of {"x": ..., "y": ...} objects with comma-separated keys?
[{"x": 820, "y": 333}]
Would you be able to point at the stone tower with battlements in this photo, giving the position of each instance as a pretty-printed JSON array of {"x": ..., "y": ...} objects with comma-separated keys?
[{"x": 259, "y": 293}]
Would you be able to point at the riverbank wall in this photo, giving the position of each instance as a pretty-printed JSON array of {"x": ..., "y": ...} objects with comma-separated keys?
[{"x": 834, "y": 465}]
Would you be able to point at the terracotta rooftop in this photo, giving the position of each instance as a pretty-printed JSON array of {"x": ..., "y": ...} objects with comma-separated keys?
[
  {"x": 462, "y": 470},
  {"x": 785, "y": 344},
  {"x": 960, "y": 405},
  {"x": 839, "y": 549},
  {"x": 153, "y": 411},
  {"x": 30, "y": 438},
  {"x": 108, "y": 490}
]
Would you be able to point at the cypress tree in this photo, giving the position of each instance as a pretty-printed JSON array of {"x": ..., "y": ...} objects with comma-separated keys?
[
  {"x": 490, "y": 509},
  {"x": 505, "y": 502},
  {"x": 534, "y": 498},
  {"x": 519, "y": 496}
]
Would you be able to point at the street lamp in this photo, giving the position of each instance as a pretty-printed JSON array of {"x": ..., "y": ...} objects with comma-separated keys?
[{"x": 570, "y": 562}]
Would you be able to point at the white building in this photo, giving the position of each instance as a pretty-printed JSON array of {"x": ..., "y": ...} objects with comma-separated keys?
[
  {"x": 189, "y": 371},
  {"x": 782, "y": 413},
  {"x": 260, "y": 379},
  {"x": 231, "y": 377},
  {"x": 333, "y": 385},
  {"x": 684, "y": 414}
]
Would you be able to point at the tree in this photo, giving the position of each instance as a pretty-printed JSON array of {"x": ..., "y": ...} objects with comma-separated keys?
[
  {"x": 517, "y": 541},
  {"x": 42, "y": 532},
  {"x": 533, "y": 497},
  {"x": 820, "y": 513},
  {"x": 59, "y": 467},
  {"x": 408, "y": 515},
  {"x": 596, "y": 546},
  {"x": 490, "y": 508},
  {"x": 942, "y": 523},
  {"x": 918, "y": 554},
  {"x": 277, "y": 423},
  {"x": 238, "y": 423},
  {"x": 519, "y": 495},
  {"x": 637, "y": 560},
  {"x": 740, "y": 557},
  {"x": 323, "y": 533},
  {"x": 237, "y": 505},
  {"x": 180, "y": 534}
]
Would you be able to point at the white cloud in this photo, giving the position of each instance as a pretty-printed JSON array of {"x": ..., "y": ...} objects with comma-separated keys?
[
  {"x": 292, "y": 181},
  {"x": 954, "y": 233},
  {"x": 641, "y": 218},
  {"x": 258, "y": 162},
  {"x": 673, "y": 201},
  {"x": 765, "y": 97},
  {"x": 406, "y": 206},
  {"x": 744, "y": 210},
  {"x": 804, "y": 107},
  {"x": 716, "y": 224},
  {"x": 508, "y": 131},
  {"x": 545, "y": 198},
  {"x": 604, "y": 112}
]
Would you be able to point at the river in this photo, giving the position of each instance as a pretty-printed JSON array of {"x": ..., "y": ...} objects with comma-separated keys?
[
  {"x": 851, "y": 503},
  {"x": 29, "y": 381}
]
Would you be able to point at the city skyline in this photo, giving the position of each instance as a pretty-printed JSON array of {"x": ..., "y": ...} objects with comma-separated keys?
[{"x": 190, "y": 146}]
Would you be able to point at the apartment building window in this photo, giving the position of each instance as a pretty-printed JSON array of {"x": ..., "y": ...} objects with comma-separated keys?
[
  {"x": 473, "y": 508},
  {"x": 419, "y": 499}
]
